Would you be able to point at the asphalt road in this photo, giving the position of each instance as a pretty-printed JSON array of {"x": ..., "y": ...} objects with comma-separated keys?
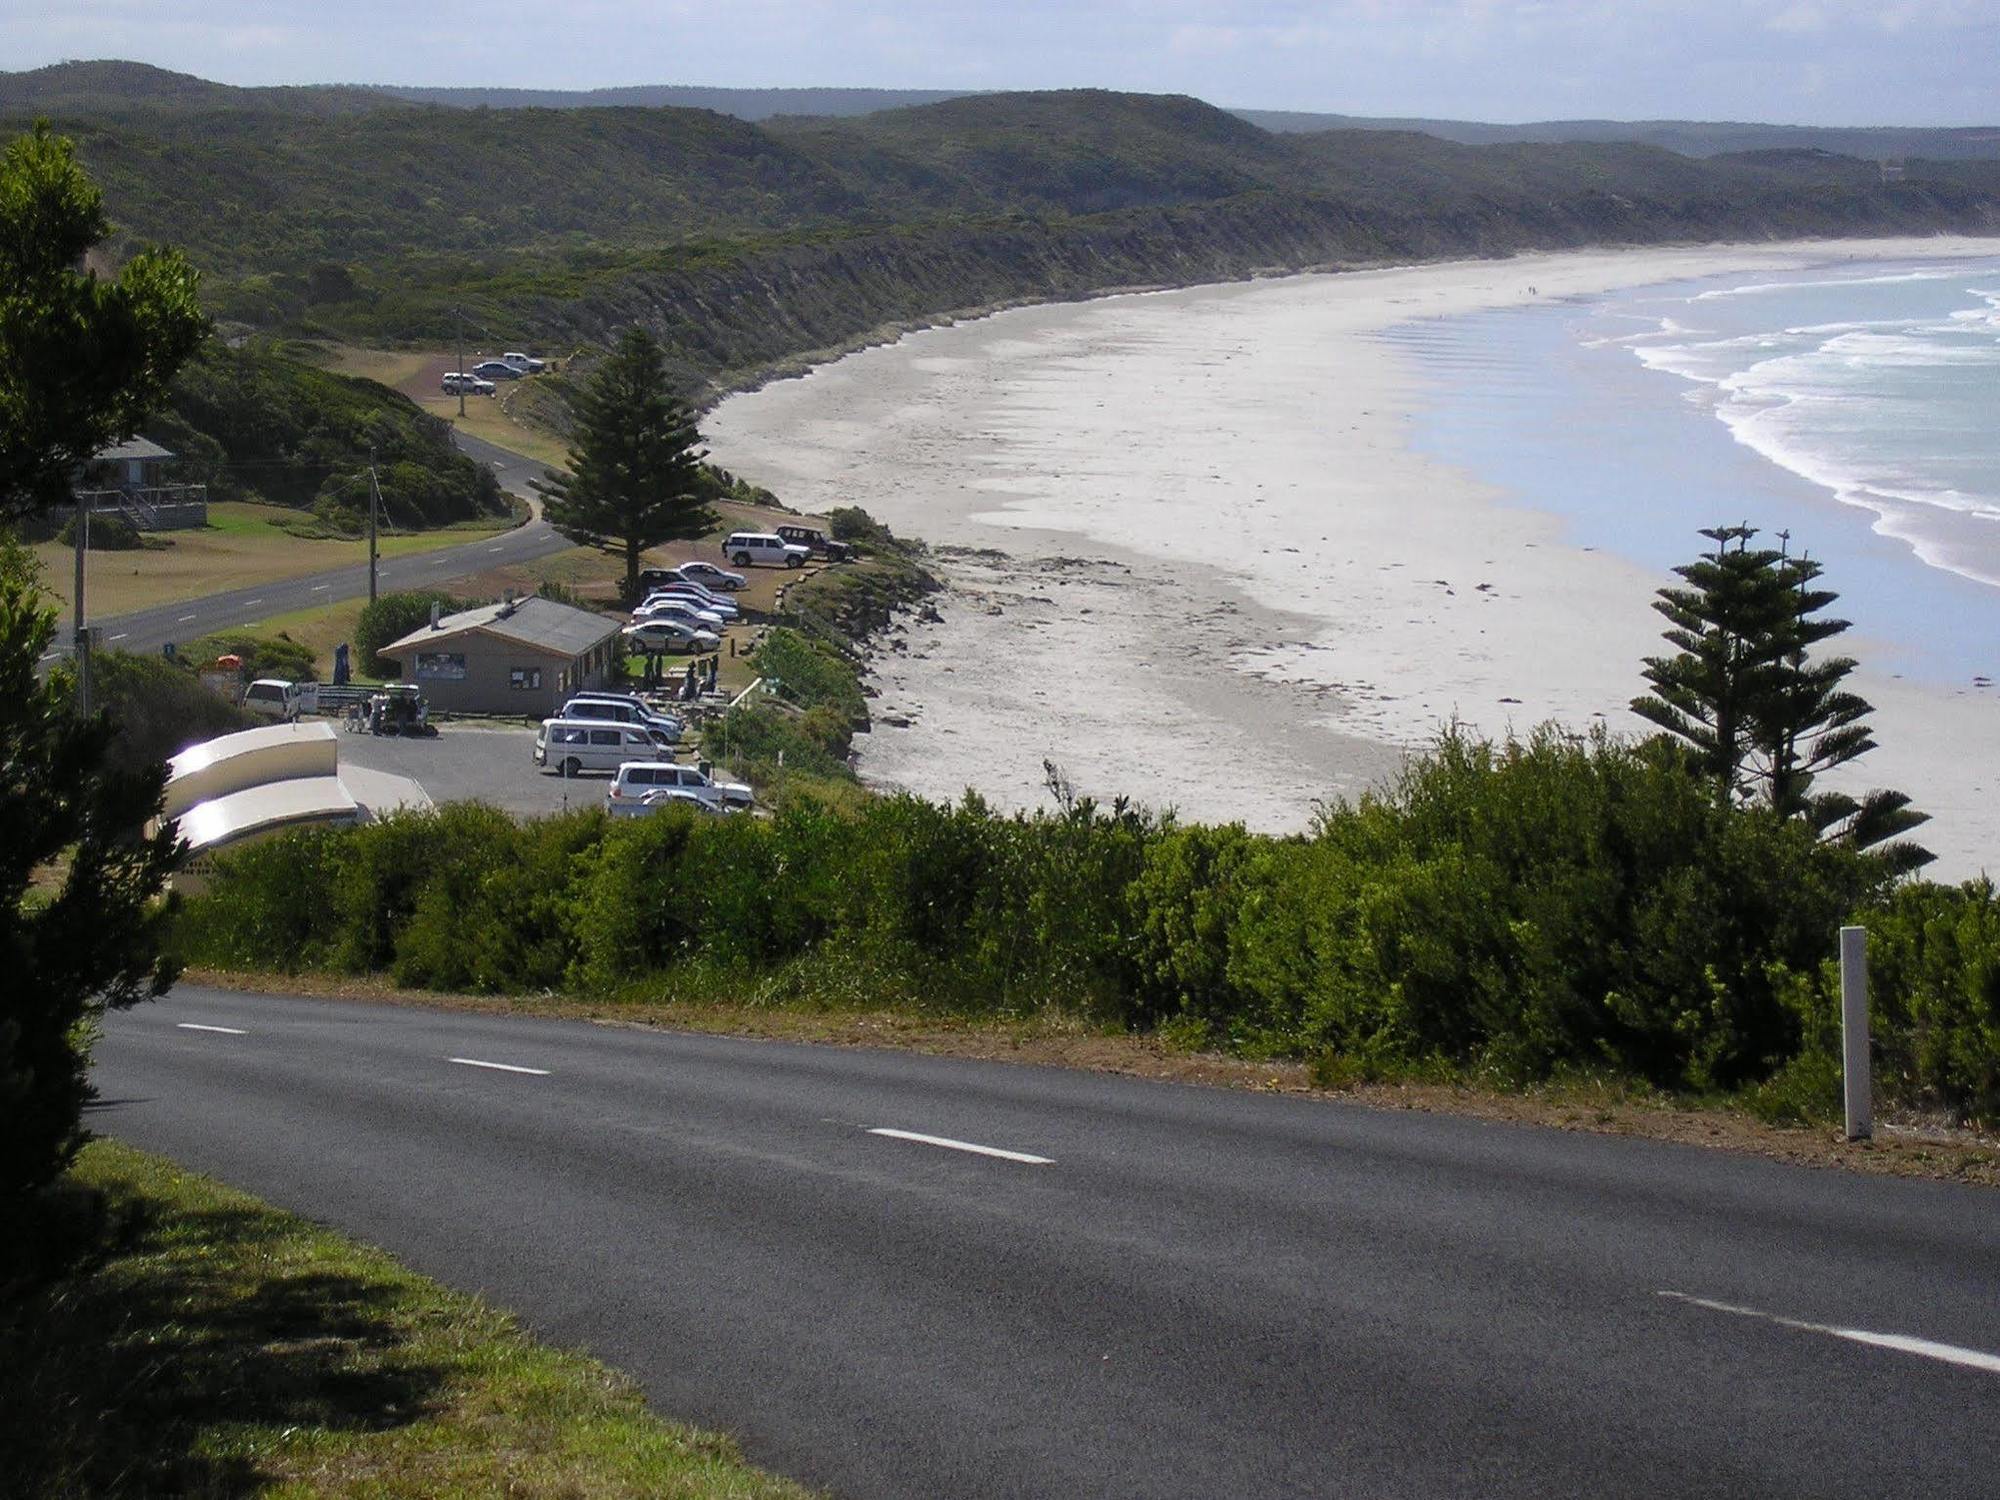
[
  {"x": 474, "y": 762},
  {"x": 147, "y": 630},
  {"x": 1190, "y": 1293}
]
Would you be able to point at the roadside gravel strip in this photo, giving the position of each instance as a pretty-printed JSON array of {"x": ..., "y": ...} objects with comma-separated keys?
[{"x": 896, "y": 1275}]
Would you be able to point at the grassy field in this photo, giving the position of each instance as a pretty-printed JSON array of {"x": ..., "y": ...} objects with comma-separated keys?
[
  {"x": 216, "y": 1346},
  {"x": 243, "y": 544}
]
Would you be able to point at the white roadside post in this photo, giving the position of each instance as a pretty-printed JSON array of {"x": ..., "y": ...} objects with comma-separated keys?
[{"x": 1854, "y": 1032}]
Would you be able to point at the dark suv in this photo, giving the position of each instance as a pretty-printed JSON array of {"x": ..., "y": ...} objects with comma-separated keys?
[{"x": 821, "y": 544}]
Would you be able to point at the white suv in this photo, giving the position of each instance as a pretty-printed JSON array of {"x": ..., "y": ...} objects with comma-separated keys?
[{"x": 748, "y": 548}]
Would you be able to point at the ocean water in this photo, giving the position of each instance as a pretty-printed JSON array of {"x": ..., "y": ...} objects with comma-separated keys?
[{"x": 1854, "y": 407}]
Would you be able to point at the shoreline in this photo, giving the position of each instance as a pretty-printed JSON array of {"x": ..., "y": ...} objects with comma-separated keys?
[{"x": 1300, "y": 597}]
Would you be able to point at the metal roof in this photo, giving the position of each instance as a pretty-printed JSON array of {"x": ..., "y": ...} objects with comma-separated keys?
[
  {"x": 542, "y": 624},
  {"x": 134, "y": 447},
  {"x": 262, "y": 809}
]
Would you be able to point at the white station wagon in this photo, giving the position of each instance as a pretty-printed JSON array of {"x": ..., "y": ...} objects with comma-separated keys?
[{"x": 643, "y": 786}]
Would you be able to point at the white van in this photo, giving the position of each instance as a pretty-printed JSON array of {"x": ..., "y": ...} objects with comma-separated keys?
[
  {"x": 275, "y": 698},
  {"x": 572, "y": 746},
  {"x": 748, "y": 548}
]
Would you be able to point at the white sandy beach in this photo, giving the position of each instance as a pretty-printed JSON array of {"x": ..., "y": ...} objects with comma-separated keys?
[{"x": 1194, "y": 559}]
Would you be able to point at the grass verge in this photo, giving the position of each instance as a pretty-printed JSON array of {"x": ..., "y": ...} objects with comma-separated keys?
[
  {"x": 1599, "y": 1105},
  {"x": 243, "y": 544},
  {"x": 210, "y": 1344}
]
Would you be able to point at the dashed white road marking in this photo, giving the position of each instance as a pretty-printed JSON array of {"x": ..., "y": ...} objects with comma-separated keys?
[
  {"x": 474, "y": 1062},
  {"x": 197, "y": 1026},
  {"x": 121, "y": 635},
  {"x": 492, "y": 549},
  {"x": 321, "y": 588},
  {"x": 249, "y": 602},
  {"x": 183, "y": 619},
  {"x": 1903, "y": 1343},
  {"x": 952, "y": 1145}
]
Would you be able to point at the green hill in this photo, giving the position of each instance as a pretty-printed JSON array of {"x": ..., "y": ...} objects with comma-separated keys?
[{"x": 745, "y": 245}]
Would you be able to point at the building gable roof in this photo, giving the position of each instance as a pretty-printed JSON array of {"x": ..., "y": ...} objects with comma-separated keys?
[{"x": 537, "y": 623}]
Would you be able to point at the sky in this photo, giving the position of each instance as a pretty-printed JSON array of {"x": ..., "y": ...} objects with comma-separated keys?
[{"x": 1828, "y": 62}]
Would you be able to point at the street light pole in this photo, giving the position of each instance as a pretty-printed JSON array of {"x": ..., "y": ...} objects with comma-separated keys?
[
  {"x": 81, "y": 526},
  {"x": 459, "y": 312},
  {"x": 374, "y": 505}
]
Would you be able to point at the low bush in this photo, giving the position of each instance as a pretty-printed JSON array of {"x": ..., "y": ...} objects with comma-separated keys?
[
  {"x": 1523, "y": 911},
  {"x": 262, "y": 655},
  {"x": 108, "y": 533},
  {"x": 156, "y": 708}
]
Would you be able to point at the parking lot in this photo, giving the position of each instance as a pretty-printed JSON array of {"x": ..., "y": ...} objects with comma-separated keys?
[{"x": 474, "y": 763}]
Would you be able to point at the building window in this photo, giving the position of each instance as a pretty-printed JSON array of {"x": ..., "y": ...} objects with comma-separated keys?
[
  {"x": 441, "y": 666},
  {"x": 524, "y": 677}
]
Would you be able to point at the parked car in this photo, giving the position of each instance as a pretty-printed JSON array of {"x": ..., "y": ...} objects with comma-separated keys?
[
  {"x": 635, "y": 785},
  {"x": 495, "y": 369},
  {"x": 752, "y": 548},
  {"x": 816, "y": 542},
  {"x": 573, "y": 746},
  {"x": 522, "y": 364},
  {"x": 669, "y": 635},
  {"x": 685, "y": 610},
  {"x": 699, "y": 597},
  {"x": 708, "y": 575},
  {"x": 455, "y": 381},
  {"x": 619, "y": 710},
  {"x": 275, "y": 698}
]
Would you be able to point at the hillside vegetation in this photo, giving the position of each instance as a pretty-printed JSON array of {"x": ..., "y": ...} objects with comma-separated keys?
[
  {"x": 255, "y": 424},
  {"x": 742, "y": 245}
]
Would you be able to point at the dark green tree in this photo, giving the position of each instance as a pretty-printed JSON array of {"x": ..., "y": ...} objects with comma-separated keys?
[
  {"x": 635, "y": 476},
  {"x": 80, "y": 876},
  {"x": 1761, "y": 716},
  {"x": 1807, "y": 723},
  {"x": 82, "y": 358},
  {"x": 1727, "y": 625},
  {"x": 95, "y": 943}
]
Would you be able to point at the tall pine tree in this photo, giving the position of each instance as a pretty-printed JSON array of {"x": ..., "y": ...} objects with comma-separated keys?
[
  {"x": 1764, "y": 718},
  {"x": 635, "y": 465}
]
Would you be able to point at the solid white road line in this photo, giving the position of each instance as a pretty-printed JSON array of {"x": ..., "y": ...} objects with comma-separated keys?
[
  {"x": 1951, "y": 1354},
  {"x": 196, "y": 1026},
  {"x": 473, "y": 1062},
  {"x": 951, "y": 1145}
]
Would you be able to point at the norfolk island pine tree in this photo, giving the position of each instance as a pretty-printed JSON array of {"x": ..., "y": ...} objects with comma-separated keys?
[
  {"x": 1760, "y": 716},
  {"x": 635, "y": 465}
]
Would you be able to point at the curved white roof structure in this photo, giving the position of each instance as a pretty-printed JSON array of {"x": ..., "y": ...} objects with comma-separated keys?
[
  {"x": 249, "y": 758},
  {"x": 274, "y": 805}
]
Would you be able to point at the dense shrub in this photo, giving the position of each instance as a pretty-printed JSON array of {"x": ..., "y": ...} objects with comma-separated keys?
[
  {"x": 262, "y": 655},
  {"x": 156, "y": 708},
  {"x": 108, "y": 533},
  {"x": 1529, "y": 908},
  {"x": 1934, "y": 965},
  {"x": 391, "y": 617}
]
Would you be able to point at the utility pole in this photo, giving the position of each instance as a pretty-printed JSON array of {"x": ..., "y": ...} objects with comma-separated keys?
[
  {"x": 81, "y": 526},
  {"x": 459, "y": 313},
  {"x": 374, "y": 504}
]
